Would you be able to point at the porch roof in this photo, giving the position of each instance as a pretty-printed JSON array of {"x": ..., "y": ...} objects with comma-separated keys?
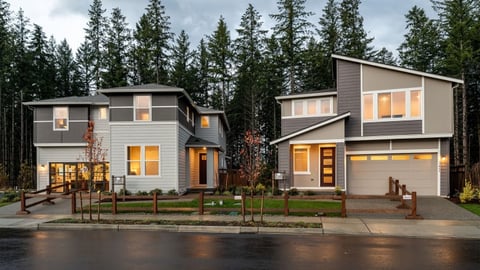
[
  {"x": 195, "y": 142},
  {"x": 312, "y": 127}
]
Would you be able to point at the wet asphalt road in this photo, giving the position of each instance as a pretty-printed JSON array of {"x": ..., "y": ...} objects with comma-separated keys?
[{"x": 24, "y": 249}]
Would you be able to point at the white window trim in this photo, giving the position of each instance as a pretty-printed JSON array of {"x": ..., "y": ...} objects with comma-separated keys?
[
  {"x": 305, "y": 108},
  {"x": 67, "y": 119},
  {"x": 149, "y": 108},
  {"x": 407, "y": 105},
  {"x": 142, "y": 160},
  {"x": 307, "y": 172}
]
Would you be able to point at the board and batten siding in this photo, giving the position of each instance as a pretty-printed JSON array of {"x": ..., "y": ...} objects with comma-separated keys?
[
  {"x": 349, "y": 96},
  {"x": 164, "y": 135},
  {"x": 45, "y": 155}
]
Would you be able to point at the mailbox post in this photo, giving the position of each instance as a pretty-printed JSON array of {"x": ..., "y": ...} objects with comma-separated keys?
[{"x": 119, "y": 181}]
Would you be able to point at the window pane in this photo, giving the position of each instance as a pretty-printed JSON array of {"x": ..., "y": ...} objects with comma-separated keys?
[
  {"x": 151, "y": 152},
  {"x": 142, "y": 101},
  {"x": 415, "y": 103},
  {"x": 205, "y": 122},
  {"x": 400, "y": 157},
  {"x": 378, "y": 157},
  {"x": 298, "y": 107},
  {"x": 312, "y": 107},
  {"x": 384, "y": 106},
  {"x": 326, "y": 109},
  {"x": 301, "y": 160},
  {"x": 142, "y": 108},
  {"x": 423, "y": 156},
  {"x": 134, "y": 168},
  {"x": 60, "y": 115},
  {"x": 133, "y": 152},
  {"x": 151, "y": 168},
  {"x": 358, "y": 158},
  {"x": 398, "y": 104},
  {"x": 102, "y": 113},
  {"x": 368, "y": 107}
]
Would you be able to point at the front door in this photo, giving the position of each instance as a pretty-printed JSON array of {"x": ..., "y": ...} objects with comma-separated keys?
[
  {"x": 327, "y": 166},
  {"x": 203, "y": 169}
]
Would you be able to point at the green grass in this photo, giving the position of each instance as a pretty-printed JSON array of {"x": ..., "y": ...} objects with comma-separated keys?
[{"x": 472, "y": 207}]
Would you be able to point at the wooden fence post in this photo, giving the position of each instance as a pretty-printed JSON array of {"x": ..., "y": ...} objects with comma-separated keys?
[
  {"x": 201, "y": 203},
  {"x": 344, "y": 204},
  {"x": 243, "y": 205},
  {"x": 390, "y": 186},
  {"x": 23, "y": 203},
  {"x": 114, "y": 203},
  {"x": 155, "y": 205},
  {"x": 285, "y": 205},
  {"x": 74, "y": 203},
  {"x": 414, "y": 215},
  {"x": 397, "y": 185}
]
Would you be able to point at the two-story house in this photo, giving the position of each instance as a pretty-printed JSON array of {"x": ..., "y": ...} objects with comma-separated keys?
[
  {"x": 154, "y": 135},
  {"x": 380, "y": 121}
]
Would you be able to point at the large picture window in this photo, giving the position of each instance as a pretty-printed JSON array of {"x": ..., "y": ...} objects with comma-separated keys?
[
  {"x": 143, "y": 107},
  {"x": 143, "y": 160},
  {"x": 392, "y": 105},
  {"x": 301, "y": 160},
  {"x": 60, "y": 118}
]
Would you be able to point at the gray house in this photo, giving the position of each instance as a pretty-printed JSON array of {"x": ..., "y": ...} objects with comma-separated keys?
[
  {"x": 155, "y": 136},
  {"x": 379, "y": 121}
]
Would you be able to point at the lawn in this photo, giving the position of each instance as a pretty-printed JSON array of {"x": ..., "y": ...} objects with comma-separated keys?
[{"x": 472, "y": 207}]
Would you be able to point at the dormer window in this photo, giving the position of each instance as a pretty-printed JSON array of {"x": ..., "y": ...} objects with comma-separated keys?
[
  {"x": 60, "y": 118},
  {"x": 143, "y": 107}
]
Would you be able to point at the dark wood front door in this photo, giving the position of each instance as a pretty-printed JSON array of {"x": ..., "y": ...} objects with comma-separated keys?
[
  {"x": 327, "y": 166},
  {"x": 203, "y": 169}
]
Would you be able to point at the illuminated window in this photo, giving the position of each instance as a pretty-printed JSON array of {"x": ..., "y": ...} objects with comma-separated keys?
[
  {"x": 142, "y": 107},
  {"x": 102, "y": 113},
  {"x": 188, "y": 114},
  {"x": 368, "y": 107},
  {"x": 384, "y": 105},
  {"x": 398, "y": 104},
  {"x": 415, "y": 103},
  {"x": 423, "y": 156},
  {"x": 400, "y": 157},
  {"x": 134, "y": 160},
  {"x": 325, "y": 106},
  {"x": 205, "y": 122},
  {"x": 298, "y": 107},
  {"x": 378, "y": 157},
  {"x": 151, "y": 160},
  {"x": 358, "y": 158},
  {"x": 60, "y": 118},
  {"x": 301, "y": 160},
  {"x": 312, "y": 107}
]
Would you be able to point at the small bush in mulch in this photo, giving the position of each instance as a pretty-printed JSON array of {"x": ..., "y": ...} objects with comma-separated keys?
[{"x": 192, "y": 222}]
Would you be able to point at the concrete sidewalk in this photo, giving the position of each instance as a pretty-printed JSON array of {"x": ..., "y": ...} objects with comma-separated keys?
[{"x": 443, "y": 219}]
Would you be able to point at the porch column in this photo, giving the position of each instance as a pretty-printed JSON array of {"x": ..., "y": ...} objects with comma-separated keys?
[
  {"x": 210, "y": 167},
  {"x": 188, "y": 183}
]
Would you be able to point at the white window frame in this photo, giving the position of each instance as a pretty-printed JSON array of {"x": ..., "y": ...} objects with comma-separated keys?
[
  {"x": 318, "y": 110},
  {"x": 67, "y": 125},
  {"x": 408, "y": 116},
  {"x": 307, "y": 172},
  {"x": 143, "y": 160},
  {"x": 135, "y": 108}
]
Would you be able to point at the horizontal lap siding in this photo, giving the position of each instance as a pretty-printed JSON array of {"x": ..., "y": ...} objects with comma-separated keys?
[
  {"x": 164, "y": 135},
  {"x": 392, "y": 128},
  {"x": 211, "y": 133},
  {"x": 183, "y": 136}
]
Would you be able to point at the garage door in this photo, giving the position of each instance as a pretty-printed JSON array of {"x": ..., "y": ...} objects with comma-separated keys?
[{"x": 368, "y": 174}]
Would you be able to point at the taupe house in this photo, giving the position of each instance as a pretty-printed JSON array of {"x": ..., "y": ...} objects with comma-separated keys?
[
  {"x": 379, "y": 121},
  {"x": 155, "y": 136}
]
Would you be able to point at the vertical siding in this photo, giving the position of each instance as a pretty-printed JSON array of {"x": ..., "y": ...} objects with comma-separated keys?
[
  {"x": 183, "y": 136},
  {"x": 444, "y": 167},
  {"x": 340, "y": 168},
  {"x": 164, "y": 135},
  {"x": 349, "y": 96}
]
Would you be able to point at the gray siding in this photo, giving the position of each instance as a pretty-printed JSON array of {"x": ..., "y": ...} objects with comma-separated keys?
[
  {"x": 121, "y": 114},
  {"x": 183, "y": 136},
  {"x": 77, "y": 125},
  {"x": 348, "y": 96},
  {"x": 211, "y": 133},
  {"x": 392, "y": 128},
  {"x": 340, "y": 166},
  {"x": 121, "y": 100},
  {"x": 284, "y": 162},
  {"x": 164, "y": 114},
  {"x": 164, "y": 99},
  {"x": 164, "y": 135},
  {"x": 43, "y": 114},
  {"x": 290, "y": 125},
  {"x": 444, "y": 167},
  {"x": 78, "y": 113}
]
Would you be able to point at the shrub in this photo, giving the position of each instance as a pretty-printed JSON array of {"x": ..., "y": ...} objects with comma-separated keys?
[
  {"x": 124, "y": 192},
  {"x": 157, "y": 190},
  {"x": 172, "y": 192},
  {"x": 141, "y": 193},
  {"x": 293, "y": 192},
  {"x": 338, "y": 190},
  {"x": 11, "y": 196},
  {"x": 227, "y": 193},
  {"x": 468, "y": 193},
  {"x": 309, "y": 193}
]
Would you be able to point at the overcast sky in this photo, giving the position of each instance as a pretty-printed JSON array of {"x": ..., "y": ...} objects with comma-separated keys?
[{"x": 384, "y": 20}]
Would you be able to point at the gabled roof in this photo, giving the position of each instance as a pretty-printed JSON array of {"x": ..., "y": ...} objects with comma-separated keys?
[
  {"x": 312, "y": 127},
  {"x": 196, "y": 142},
  {"x": 85, "y": 100},
  {"x": 395, "y": 68}
]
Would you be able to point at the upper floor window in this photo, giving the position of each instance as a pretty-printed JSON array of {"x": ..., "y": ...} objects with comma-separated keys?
[
  {"x": 205, "y": 122},
  {"x": 60, "y": 118},
  {"x": 405, "y": 104},
  {"x": 143, "y": 107},
  {"x": 102, "y": 113},
  {"x": 313, "y": 107}
]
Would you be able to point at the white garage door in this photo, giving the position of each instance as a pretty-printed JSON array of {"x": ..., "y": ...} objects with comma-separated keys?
[{"x": 368, "y": 174}]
